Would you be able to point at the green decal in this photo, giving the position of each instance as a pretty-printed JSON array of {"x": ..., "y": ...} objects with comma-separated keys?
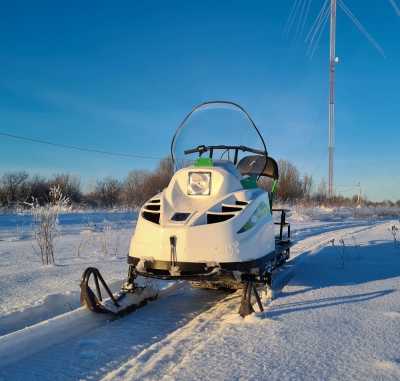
[
  {"x": 261, "y": 211},
  {"x": 249, "y": 182},
  {"x": 274, "y": 186},
  {"x": 204, "y": 162}
]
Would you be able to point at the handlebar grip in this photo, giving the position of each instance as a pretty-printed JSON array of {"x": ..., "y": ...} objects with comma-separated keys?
[{"x": 188, "y": 151}]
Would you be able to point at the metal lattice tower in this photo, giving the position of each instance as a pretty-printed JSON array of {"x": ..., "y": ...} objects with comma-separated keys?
[{"x": 331, "y": 122}]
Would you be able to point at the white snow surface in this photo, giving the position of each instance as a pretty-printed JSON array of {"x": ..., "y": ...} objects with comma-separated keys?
[{"x": 338, "y": 318}]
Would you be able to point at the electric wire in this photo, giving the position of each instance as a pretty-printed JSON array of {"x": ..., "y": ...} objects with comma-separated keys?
[
  {"x": 361, "y": 28},
  {"x": 313, "y": 48},
  {"x": 300, "y": 18},
  {"x": 316, "y": 23},
  {"x": 305, "y": 18},
  {"x": 316, "y": 31},
  {"x": 395, "y": 6},
  {"x": 78, "y": 148},
  {"x": 291, "y": 18}
]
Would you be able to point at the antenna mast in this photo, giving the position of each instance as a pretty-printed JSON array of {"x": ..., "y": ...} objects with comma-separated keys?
[{"x": 331, "y": 125}]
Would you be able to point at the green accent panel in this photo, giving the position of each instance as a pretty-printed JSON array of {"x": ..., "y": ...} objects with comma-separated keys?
[
  {"x": 249, "y": 182},
  {"x": 274, "y": 186},
  {"x": 261, "y": 211},
  {"x": 204, "y": 162}
]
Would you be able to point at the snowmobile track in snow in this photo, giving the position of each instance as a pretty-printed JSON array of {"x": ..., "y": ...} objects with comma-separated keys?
[{"x": 42, "y": 335}]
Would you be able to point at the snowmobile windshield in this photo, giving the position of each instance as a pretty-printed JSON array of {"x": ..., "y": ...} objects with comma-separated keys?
[{"x": 218, "y": 130}]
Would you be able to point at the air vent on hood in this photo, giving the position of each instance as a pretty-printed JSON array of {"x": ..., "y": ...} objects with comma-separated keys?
[
  {"x": 153, "y": 207},
  {"x": 244, "y": 203},
  {"x": 214, "y": 217},
  {"x": 151, "y": 211},
  {"x": 151, "y": 216},
  {"x": 227, "y": 212},
  {"x": 231, "y": 208}
]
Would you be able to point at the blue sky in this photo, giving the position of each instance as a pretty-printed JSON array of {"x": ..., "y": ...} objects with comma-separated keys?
[{"x": 120, "y": 76}]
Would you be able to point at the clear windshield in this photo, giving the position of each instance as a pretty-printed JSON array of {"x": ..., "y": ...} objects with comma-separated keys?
[{"x": 213, "y": 124}]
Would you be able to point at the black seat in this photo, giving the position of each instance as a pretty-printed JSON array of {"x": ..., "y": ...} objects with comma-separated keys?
[{"x": 253, "y": 165}]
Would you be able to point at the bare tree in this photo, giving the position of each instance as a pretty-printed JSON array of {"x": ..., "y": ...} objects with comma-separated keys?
[
  {"x": 13, "y": 187},
  {"x": 39, "y": 189},
  {"x": 160, "y": 178},
  {"x": 165, "y": 171},
  {"x": 134, "y": 186},
  {"x": 290, "y": 186},
  {"x": 141, "y": 185},
  {"x": 322, "y": 192},
  {"x": 69, "y": 185},
  {"x": 307, "y": 185},
  {"x": 108, "y": 192}
]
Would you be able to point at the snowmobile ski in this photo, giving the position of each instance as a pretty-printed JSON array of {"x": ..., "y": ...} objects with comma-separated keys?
[{"x": 128, "y": 299}]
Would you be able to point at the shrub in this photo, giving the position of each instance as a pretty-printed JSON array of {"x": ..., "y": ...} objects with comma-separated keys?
[{"x": 46, "y": 223}]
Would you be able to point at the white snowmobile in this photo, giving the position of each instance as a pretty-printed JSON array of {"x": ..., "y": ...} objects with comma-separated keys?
[{"x": 212, "y": 225}]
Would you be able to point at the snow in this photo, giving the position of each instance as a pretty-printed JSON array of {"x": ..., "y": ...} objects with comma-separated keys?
[
  {"x": 31, "y": 292},
  {"x": 338, "y": 318},
  {"x": 324, "y": 213}
]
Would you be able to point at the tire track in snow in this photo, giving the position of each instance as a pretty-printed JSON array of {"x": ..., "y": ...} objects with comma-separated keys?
[
  {"x": 175, "y": 347},
  {"x": 317, "y": 241}
]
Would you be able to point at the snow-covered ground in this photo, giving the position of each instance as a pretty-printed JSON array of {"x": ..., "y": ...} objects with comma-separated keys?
[
  {"x": 338, "y": 317},
  {"x": 31, "y": 292}
]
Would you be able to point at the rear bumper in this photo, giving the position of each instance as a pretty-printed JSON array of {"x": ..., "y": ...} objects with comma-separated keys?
[{"x": 195, "y": 270}]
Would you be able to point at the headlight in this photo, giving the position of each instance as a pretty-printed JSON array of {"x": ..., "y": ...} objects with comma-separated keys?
[{"x": 199, "y": 183}]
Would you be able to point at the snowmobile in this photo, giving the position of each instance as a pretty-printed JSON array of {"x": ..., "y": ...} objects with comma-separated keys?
[{"x": 212, "y": 225}]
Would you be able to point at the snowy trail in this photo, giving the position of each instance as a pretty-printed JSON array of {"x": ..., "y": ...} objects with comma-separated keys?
[
  {"x": 52, "y": 306},
  {"x": 166, "y": 358},
  {"x": 105, "y": 343},
  {"x": 152, "y": 341},
  {"x": 47, "y": 333}
]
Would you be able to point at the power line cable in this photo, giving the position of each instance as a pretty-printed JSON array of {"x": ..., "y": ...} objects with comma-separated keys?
[
  {"x": 78, "y": 148},
  {"x": 395, "y": 7},
  {"x": 361, "y": 28},
  {"x": 291, "y": 18}
]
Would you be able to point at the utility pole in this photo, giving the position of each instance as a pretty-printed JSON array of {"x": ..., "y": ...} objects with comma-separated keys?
[{"x": 331, "y": 123}]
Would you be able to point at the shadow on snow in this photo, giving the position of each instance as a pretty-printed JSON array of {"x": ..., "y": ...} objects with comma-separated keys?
[{"x": 342, "y": 266}]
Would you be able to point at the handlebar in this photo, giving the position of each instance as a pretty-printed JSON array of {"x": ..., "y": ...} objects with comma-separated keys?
[{"x": 202, "y": 148}]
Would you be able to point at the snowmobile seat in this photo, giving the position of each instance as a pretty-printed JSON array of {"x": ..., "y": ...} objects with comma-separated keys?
[{"x": 254, "y": 165}]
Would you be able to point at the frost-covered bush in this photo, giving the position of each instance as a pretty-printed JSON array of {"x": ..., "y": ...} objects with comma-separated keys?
[
  {"x": 46, "y": 222},
  {"x": 110, "y": 239},
  {"x": 394, "y": 230},
  {"x": 86, "y": 238}
]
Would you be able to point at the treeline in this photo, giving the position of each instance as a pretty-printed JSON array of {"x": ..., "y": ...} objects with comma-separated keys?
[
  {"x": 294, "y": 188},
  {"x": 19, "y": 189}
]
